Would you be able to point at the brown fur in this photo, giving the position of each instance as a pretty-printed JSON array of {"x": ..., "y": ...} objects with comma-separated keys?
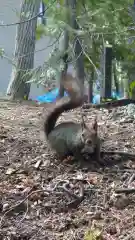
[{"x": 69, "y": 138}]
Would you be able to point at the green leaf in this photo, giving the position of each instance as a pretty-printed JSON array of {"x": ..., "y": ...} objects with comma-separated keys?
[
  {"x": 61, "y": 2},
  {"x": 46, "y": 1},
  {"x": 40, "y": 31},
  {"x": 93, "y": 234}
]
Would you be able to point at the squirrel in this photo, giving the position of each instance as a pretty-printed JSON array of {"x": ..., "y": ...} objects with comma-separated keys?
[{"x": 70, "y": 138}]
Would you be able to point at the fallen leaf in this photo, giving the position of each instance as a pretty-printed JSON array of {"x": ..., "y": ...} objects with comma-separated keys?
[
  {"x": 92, "y": 179},
  {"x": 10, "y": 171},
  {"x": 38, "y": 163}
]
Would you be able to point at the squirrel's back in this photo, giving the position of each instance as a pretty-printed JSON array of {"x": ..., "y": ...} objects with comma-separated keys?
[{"x": 70, "y": 138}]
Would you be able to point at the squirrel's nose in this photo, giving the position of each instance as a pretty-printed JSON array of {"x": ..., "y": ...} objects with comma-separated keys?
[{"x": 88, "y": 149}]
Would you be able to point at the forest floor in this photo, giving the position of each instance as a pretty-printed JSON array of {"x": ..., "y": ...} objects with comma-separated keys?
[{"x": 39, "y": 195}]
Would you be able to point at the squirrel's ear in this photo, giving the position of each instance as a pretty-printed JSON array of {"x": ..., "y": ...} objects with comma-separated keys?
[
  {"x": 95, "y": 125},
  {"x": 83, "y": 125}
]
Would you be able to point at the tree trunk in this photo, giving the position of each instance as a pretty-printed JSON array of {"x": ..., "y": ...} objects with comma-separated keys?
[
  {"x": 92, "y": 75},
  {"x": 115, "y": 79},
  {"x": 90, "y": 87},
  {"x": 106, "y": 91},
  {"x": 63, "y": 73},
  {"x": 78, "y": 45},
  {"x": 24, "y": 51},
  {"x": 65, "y": 57}
]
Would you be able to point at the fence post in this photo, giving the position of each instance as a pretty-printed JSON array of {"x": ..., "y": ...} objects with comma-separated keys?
[{"x": 106, "y": 86}]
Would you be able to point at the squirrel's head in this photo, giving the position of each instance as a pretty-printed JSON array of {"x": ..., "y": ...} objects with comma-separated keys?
[{"x": 89, "y": 137}]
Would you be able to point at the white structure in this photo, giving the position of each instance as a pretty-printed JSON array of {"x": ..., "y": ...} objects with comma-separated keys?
[{"x": 8, "y": 14}]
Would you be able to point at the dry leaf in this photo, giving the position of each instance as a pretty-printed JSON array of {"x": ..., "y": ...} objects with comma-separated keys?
[
  {"x": 10, "y": 171},
  {"x": 38, "y": 163}
]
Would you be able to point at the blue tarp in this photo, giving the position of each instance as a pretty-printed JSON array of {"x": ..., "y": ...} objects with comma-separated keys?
[{"x": 51, "y": 97}]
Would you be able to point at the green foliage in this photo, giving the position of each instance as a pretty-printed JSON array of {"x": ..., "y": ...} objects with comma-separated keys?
[
  {"x": 2, "y": 52},
  {"x": 100, "y": 22},
  {"x": 40, "y": 31},
  {"x": 49, "y": 73},
  {"x": 131, "y": 89}
]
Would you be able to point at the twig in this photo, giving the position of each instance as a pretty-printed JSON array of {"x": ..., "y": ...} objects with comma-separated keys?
[
  {"x": 46, "y": 191},
  {"x": 28, "y": 20},
  {"x": 42, "y": 49},
  {"x": 131, "y": 179},
  {"x": 120, "y": 132},
  {"x": 111, "y": 104},
  {"x": 75, "y": 202},
  {"x": 24, "y": 214},
  {"x": 87, "y": 56},
  {"x": 64, "y": 187},
  {"x": 16, "y": 205},
  {"x": 123, "y": 154},
  {"x": 79, "y": 199},
  {"x": 36, "y": 234},
  {"x": 125, "y": 190}
]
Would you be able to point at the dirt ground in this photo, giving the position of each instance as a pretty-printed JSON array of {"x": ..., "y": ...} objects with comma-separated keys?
[{"x": 43, "y": 198}]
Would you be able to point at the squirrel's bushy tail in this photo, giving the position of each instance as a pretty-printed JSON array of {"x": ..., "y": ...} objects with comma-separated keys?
[{"x": 75, "y": 91}]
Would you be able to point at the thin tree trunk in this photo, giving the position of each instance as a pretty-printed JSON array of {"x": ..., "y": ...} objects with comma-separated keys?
[
  {"x": 90, "y": 87},
  {"x": 92, "y": 76},
  {"x": 107, "y": 80},
  {"x": 65, "y": 57},
  {"x": 115, "y": 79},
  {"x": 78, "y": 45},
  {"x": 24, "y": 51}
]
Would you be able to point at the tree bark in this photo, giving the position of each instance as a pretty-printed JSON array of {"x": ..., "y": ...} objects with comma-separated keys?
[
  {"x": 115, "y": 79},
  {"x": 90, "y": 87},
  {"x": 65, "y": 57},
  {"x": 24, "y": 51},
  {"x": 106, "y": 91},
  {"x": 78, "y": 45}
]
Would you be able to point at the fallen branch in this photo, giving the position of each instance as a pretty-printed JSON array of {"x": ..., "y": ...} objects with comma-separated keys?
[
  {"x": 78, "y": 199},
  {"x": 74, "y": 203},
  {"x": 122, "y": 154},
  {"x": 64, "y": 187},
  {"x": 71, "y": 204},
  {"x": 125, "y": 190},
  {"x": 131, "y": 179},
  {"x": 31, "y": 192},
  {"x": 21, "y": 202},
  {"x": 64, "y": 207},
  {"x": 111, "y": 104}
]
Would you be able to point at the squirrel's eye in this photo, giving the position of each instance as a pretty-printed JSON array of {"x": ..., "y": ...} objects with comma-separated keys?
[{"x": 89, "y": 141}]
